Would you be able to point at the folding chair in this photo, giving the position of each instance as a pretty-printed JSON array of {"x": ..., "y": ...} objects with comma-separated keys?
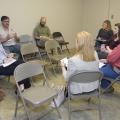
[
  {"x": 85, "y": 77},
  {"x": 25, "y": 38},
  {"x": 60, "y": 39},
  {"x": 35, "y": 94},
  {"x": 41, "y": 48},
  {"x": 30, "y": 51},
  {"x": 54, "y": 52},
  {"x": 113, "y": 81}
]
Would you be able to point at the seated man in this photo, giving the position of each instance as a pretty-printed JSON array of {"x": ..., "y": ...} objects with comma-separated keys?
[
  {"x": 8, "y": 36},
  {"x": 9, "y": 70},
  {"x": 41, "y": 33}
]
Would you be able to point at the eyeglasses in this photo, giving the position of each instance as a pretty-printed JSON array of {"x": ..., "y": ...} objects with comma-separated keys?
[{"x": 6, "y": 21}]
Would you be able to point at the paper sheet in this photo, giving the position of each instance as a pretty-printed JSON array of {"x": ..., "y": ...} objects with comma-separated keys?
[{"x": 9, "y": 63}]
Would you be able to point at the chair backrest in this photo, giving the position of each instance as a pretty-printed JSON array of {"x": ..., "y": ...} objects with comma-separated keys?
[
  {"x": 29, "y": 48},
  {"x": 52, "y": 47},
  {"x": 86, "y": 77},
  {"x": 58, "y": 36},
  {"x": 27, "y": 70},
  {"x": 25, "y": 38}
]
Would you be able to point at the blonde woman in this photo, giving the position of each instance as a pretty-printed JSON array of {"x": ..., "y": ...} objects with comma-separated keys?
[{"x": 85, "y": 59}]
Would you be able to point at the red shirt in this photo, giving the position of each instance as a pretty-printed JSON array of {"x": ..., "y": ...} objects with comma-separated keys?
[{"x": 114, "y": 57}]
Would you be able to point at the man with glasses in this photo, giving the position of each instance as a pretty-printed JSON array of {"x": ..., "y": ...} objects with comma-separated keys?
[{"x": 8, "y": 36}]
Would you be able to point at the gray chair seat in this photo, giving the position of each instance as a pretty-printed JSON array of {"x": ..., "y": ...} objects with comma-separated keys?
[{"x": 36, "y": 96}]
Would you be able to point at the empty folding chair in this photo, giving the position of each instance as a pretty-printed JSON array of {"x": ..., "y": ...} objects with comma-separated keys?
[
  {"x": 35, "y": 95},
  {"x": 25, "y": 38},
  {"x": 53, "y": 50},
  {"x": 60, "y": 39},
  {"x": 30, "y": 51}
]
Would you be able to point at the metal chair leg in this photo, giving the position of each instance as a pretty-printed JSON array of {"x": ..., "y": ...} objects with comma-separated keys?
[
  {"x": 8, "y": 78},
  {"x": 99, "y": 107},
  {"x": 57, "y": 108},
  {"x": 69, "y": 109},
  {"x": 16, "y": 106},
  {"x": 67, "y": 49},
  {"x": 25, "y": 108}
]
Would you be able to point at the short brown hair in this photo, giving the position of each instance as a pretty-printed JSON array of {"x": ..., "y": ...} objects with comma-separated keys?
[{"x": 4, "y": 18}]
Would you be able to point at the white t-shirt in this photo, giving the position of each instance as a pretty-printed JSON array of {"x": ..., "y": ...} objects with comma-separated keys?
[
  {"x": 75, "y": 64},
  {"x": 3, "y": 54},
  {"x": 4, "y": 33}
]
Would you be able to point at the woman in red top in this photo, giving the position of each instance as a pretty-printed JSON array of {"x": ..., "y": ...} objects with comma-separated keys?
[{"x": 113, "y": 61}]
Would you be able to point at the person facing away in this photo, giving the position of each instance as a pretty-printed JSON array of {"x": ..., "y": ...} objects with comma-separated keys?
[
  {"x": 41, "y": 33},
  {"x": 85, "y": 59},
  {"x": 105, "y": 34},
  {"x": 8, "y": 37}
]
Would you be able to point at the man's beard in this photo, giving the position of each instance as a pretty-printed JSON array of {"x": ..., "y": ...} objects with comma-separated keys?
[{"x": 42, "y": 25}]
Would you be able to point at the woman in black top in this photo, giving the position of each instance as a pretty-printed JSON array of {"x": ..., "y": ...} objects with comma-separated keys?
[{"x": 105, "y": 34}]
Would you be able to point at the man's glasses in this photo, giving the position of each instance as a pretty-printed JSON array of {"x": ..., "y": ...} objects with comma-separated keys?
[{"x": 6, "y": 21}]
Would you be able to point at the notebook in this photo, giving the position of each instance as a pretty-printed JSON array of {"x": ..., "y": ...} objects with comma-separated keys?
[
  {"x": 12, "y": 60},
  {"x": 65, "y": 61},
  {"x": 101, "y": 64}
]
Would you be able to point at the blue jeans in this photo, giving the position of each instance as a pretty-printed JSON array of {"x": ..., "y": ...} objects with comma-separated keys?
[
  {"x": 14, "y": 49},
  {"x": 108, "y": 72}
]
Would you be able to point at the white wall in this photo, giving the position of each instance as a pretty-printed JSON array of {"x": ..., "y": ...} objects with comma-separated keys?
[
  {"x": 114, "y": 13},
  {"x": 93, "y": 14},
  {"x": 62, "y": 15}
]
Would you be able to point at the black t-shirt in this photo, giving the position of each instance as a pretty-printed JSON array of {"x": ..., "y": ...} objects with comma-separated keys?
[{"x": 105, "y": 34}]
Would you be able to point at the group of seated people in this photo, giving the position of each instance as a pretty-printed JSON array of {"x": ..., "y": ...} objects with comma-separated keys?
[
  {"x": 85, "y": 58},
  {"x": 10, "y": 47},
  {"x": 107, "y": 39}
]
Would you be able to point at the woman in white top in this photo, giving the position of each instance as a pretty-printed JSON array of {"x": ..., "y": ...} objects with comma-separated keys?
[{"x": 85, "y": 59}]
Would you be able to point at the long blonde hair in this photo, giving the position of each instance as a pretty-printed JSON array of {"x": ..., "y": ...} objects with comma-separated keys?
[{"x": 85, "y": 46}]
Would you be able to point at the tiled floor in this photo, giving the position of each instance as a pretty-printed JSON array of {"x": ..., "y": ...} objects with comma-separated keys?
[{"x": 110, "y": 104}]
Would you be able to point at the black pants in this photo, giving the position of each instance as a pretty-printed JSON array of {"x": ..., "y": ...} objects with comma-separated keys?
[{"x": 9, "y": 70}]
